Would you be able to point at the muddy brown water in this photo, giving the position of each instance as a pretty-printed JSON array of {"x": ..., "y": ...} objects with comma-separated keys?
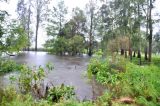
[{"x": 68, "y": 70}]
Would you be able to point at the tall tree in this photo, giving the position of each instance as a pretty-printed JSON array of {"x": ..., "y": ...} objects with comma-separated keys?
[
  {"x": 24, "y": 15},
  {"x": 67, "y": 37},
  {"x": 150, "y": 29},
  {"x": 56, "y": 19},
  {"x": 122, "y": 18},
  {"x": 29, "y": 24},
  {"x": 41, "y": 7},
  {"x": 76, "y": 25},
  {"x": 3, "y": 15},
  {"x": 79, "y": 19},
  {"x": 91, "y": 12}
]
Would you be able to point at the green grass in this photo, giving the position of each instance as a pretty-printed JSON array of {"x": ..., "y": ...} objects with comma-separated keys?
[{"x": 155, "y": 61}]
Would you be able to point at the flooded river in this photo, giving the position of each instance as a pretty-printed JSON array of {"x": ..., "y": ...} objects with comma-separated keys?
[{"x": 68, "y": 70}]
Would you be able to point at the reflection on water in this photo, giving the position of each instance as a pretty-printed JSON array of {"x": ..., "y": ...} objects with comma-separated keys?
[{"x": 68, "y": 70}]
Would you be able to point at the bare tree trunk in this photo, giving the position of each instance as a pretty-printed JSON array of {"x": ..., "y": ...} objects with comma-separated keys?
[
  {"x": 37, "y": 27},
  {"x": 90, "y": 34},
  {"x": 139, "y": 56},
  {"x": 134, "y": 53},
  {"x": 29, "y": 19},
  {"x": 130, "y": 49},
  {"x": 122, "y": 51},
  {"x": 145, "y": 53},
  {"x": 125, "y": 53},
  {"x": 60, "y": 26},
  {"x": 146, "y": 49},
  {"x": 139, "y": 50},
  {"x": 151, "y": 30},
  {"x": 130, "y": 53}
]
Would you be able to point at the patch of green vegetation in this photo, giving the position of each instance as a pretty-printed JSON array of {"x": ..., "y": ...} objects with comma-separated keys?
[
  {"x": 9, "y": 97},
  {"x": 125, "y": 79},
  {"x": 60, "y": 92},
  {"x": 8, "y": 66}
]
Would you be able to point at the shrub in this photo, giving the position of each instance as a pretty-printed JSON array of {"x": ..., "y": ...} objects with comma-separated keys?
[
  {"x": 32, "y": 78},
  {"x": 60, "y": 92},
  {"x": 8, "y": 66}
]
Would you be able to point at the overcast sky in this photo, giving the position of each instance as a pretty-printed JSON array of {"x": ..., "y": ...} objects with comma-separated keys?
[{"x": 12, "y": 5}]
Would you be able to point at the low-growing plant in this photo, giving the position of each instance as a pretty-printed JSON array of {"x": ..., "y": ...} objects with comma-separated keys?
[
  {"x": 60, "y": 92},
  {"x": 32, "y": 78},
  {"x": 74, "y": 102},
  {"x": 9, "y": 97}
]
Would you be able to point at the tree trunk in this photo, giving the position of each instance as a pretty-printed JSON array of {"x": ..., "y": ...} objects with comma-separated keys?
[
  {"x": 139, "y": 56},
  {"x": 122, "y": 51},
  {"x": 151, "y": 30},
  {"x": 134, "y": 53},
  {"x": 37, "y": 27},
  {"x": 29, "y": 18},
  {"x": 90, "y": 34},
  {"x": 130, "y": 49},
  {"x": 146, "y": 49},
  {"x": 60, "y": 27},
  {"x": 139, "y": 51},
  {"x": 145, "y": 53},
  {"x": 125, "y": 53},
  {"x": 130, "y": 54}
]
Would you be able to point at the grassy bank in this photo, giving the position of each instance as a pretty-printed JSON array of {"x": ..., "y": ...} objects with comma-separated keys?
[{"x": 128, "y": 82}]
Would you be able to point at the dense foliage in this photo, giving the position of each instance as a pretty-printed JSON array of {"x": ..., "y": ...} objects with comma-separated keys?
[
  {"x": 61, "y": 45},
  {"x": 66, "y": 37},
  {"x": 8, "y": 66}
]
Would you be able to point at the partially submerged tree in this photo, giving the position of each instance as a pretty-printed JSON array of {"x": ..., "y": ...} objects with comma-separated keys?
[
  {"x": 91, "y": 12},
  {"x": 66, "y": 37}
]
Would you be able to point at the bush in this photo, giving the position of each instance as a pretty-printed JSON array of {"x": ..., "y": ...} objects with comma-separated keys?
[
  {"x": 8, "y": 66},
  {"x": 60, "y": 92},
  {"x": 32, "y": 78}
]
